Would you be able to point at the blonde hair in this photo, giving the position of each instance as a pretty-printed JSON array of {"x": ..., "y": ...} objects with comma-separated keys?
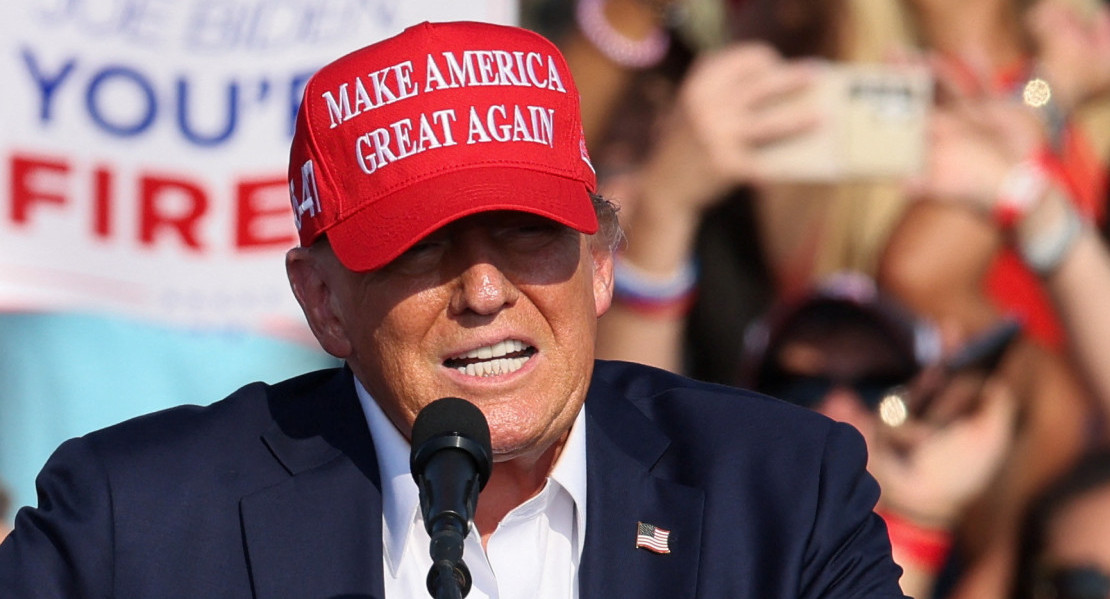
[
  {"x": 856, "y": 218},
  {"x": 877, "y": 27}
]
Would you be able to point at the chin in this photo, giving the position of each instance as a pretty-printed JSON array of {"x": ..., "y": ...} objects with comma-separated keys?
[{"x": 509, "y": 447}]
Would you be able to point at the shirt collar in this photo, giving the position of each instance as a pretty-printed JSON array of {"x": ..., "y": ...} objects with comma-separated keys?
[
  {"x": 401, "y": 498},
  {"x": 570, "y": 472}
]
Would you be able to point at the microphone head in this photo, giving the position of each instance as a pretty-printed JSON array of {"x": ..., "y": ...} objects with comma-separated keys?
[{"x": 452, "y": 422}]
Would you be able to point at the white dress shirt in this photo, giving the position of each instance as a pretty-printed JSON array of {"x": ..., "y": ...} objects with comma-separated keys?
[{"x": 533, "y": 553}]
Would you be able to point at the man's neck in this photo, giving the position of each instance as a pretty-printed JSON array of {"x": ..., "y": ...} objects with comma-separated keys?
[{"x": 510, "y": 484}]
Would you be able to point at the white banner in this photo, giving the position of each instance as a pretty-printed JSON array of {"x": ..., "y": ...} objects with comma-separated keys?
[{"x": 145, "y": 142}]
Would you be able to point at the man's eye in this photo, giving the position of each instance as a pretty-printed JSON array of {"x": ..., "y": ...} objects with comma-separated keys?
[
  {"x": 423, "y": 247},
  {"x": 422, "y": 256},
  {"x": 533, "y": 230}
]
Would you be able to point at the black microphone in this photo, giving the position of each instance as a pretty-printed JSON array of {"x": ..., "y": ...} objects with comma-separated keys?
[{"x": 451, "y": 462}]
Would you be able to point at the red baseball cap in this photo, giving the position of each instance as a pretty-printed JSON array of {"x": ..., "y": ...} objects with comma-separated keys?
[{"x": 444, "y": 120}]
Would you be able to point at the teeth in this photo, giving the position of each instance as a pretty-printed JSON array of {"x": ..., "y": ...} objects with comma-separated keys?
[
  {"x": 496, "y": 350},
  {"x": 494, "y": 358},
  {"x": 493, "y": 367}
]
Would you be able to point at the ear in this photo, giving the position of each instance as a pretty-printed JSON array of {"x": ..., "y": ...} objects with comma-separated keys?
[
  {"x": 603, "y": 279},
  {"x": 313, "y": 281}
]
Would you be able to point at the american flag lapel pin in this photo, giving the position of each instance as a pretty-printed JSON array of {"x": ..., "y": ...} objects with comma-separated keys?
[{"x": 652, "y": 538}]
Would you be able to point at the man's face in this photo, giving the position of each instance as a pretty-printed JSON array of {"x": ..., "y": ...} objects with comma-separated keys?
[{"x": 499, "y": 308}]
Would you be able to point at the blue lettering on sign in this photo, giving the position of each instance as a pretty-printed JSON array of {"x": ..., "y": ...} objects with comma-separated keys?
[
  {"x": 267, "y": 24},
  {"x": 296, "y": 92},
  {"x": 145, "y": 22},
  {"x": 144, "y": 88},
  {"x": 101, "y": 86},
  {"x": 219, "y": 25},
  {"x": 183, "y": 115},
  {"x": 47, "y": 85}
]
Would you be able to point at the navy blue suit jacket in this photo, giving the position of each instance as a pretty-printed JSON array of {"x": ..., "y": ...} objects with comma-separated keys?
[{"x": 274, "y": 492}]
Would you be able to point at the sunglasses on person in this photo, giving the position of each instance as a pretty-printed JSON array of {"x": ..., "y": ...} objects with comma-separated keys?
[
  {"x": 809, "y": 390},
  {"x": 948, "y": 389},
  {"x": 1073, "y": 582}
]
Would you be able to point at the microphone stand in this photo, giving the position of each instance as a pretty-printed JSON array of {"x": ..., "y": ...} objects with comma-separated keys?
[
  {"x": 450, "y": 462},
  {"x": 448, "y": 581},
  {"x": 449, "y": 578}
]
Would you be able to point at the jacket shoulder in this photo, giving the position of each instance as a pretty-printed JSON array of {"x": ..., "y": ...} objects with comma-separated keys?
[
  {"x": 658, "y": 392},
  {"x": 717, "y": 430},
  {"x": 249, "y": 408}
]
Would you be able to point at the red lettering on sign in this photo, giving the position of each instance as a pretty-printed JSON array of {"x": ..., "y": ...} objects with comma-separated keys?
[
  {"x": 149, "y": 209},
  {"x": 27, "y": 174},
  {"x": 102, "y": 202},
  {"x": 157, "y": 213},
  {"x": 262, "y": 218}
]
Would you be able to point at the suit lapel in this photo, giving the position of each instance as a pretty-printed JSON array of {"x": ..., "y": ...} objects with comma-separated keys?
[
  {"x": 624, "y": 449},
  {"x": 317, "y": 534}
]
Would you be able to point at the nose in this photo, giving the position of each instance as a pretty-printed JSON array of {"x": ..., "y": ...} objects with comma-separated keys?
[{"x": 482, "y": 286}]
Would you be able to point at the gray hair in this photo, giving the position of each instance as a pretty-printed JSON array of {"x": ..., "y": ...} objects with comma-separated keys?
[{"x": 609, "y": 232}]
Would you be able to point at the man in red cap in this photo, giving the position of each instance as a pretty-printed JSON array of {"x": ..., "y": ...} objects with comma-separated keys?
[{"x": 451, "y": 245}]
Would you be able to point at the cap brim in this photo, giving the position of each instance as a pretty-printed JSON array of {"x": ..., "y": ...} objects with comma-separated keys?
[{"x": 379, "y": 232}]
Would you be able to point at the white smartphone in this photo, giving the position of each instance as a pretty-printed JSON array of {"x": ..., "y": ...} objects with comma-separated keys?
[{"x": 874, "y": 120}]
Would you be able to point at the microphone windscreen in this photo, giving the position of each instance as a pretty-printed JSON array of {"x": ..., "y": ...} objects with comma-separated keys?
[{"x": 451, "y": 416}]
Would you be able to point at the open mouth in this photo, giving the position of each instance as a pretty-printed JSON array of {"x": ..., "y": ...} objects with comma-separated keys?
[{"x": 503, "y": 357}]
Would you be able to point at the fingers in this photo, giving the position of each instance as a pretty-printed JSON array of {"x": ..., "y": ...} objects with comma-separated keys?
[
  {"x": 720, "y": 77},
  {"x": 745, "y": 81},
  {"x": 985, "y": 427},
  {"x": 972, "y": 147},
  {"x": 781, "y": 121},
  {"x": 738, "y": 99},
  {"x": 994, "y": 421},
  {"x": 931, "y": 473},
  {"x": 957, "y": 160},
  {"x": 782, "y": 81}
]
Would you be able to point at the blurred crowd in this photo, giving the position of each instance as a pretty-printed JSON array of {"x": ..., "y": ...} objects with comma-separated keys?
[{"x": 924, "y": 261}]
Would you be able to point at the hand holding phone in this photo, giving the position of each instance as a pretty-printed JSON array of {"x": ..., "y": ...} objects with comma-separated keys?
[{"x": 873, "y": 125}]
